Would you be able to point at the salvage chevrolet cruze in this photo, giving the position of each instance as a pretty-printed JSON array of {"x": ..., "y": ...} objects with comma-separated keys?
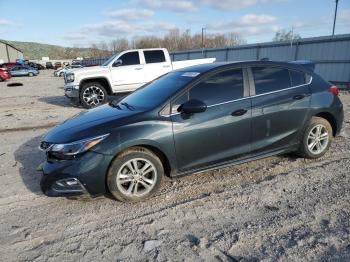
[{"x": 189, "y": 121}]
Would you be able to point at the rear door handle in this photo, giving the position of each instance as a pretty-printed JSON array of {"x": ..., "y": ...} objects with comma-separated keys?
[
  {"x": 239, "y": 112},
  {"x": 298, "y": 97}
]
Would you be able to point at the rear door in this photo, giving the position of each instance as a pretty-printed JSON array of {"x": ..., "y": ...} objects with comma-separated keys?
[
  {"x": 129, "y": 75},
  {"x": 222, "y": 132},
  {"x": 280, "y": 105},
  {"x": 155, "y": 65}
]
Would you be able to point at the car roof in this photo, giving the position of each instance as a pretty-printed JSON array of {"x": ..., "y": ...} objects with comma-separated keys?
[{"x": 217, "y": 65}]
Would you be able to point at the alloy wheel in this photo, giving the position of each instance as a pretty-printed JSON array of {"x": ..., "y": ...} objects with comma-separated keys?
[
  {"x": 318, "y": 139},
  {"x": 93, "y": 96},
  {"x": 136, "y": 177}
]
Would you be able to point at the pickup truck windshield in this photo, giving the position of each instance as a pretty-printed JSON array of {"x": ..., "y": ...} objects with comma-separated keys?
[
  {"x": 109, "y": 60},
  {"x": 157, "y": 91}
]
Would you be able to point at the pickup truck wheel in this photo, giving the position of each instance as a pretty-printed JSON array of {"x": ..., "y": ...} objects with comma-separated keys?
[
  {"x": 135, "y": 175},
  {"x": 93, "y": 94}
]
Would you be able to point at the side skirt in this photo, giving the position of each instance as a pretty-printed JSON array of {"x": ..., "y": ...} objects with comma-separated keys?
[{"x": 288, "y": 149}]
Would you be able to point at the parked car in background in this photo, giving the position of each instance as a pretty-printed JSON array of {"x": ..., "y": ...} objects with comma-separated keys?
[
  {"x": 190, "y": 121},
  {"x": 36, "y": 66},
  {"x": 124, "y": 72},
  {"x": 8, "y": 66},
  {"x": 57, "y": 65},
  {"x": 4, "y": 75},
  {"x": 23, "y": 71},
  {"x": 49, "y": 65}
]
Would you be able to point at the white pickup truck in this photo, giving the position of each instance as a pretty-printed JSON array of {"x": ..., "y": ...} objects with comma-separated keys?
[{"x": 122, "y": 73}]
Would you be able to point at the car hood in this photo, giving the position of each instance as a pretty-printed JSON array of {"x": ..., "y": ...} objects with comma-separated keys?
[
  {"x": 90, "y": 123},
  {"x": 86, "y": 71}
]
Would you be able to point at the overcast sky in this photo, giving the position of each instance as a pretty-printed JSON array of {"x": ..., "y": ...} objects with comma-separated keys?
[{"x": 81, "y": 22}]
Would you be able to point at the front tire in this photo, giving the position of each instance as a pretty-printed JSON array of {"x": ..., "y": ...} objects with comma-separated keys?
[
  {"x": 135, "y": 175},
  {"x": 317, "y": 138},
  {"x": 92, "y": 94}
]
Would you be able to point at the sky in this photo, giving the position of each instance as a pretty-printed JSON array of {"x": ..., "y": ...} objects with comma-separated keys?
[{"x": 79, "y": 23}]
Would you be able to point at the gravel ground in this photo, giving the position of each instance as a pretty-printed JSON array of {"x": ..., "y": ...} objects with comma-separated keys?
[{"x": 280, "y": 208}]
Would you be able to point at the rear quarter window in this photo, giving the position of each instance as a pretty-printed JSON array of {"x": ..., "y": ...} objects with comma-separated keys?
[
  {"x": 297, "y": 78},
  {"x": 270, "y": 79}
]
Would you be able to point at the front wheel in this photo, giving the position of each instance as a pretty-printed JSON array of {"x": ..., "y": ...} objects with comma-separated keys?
[
  {"x": 135, "y": 175},
  {"x": 317, "y": 138},
  {"x": 92, "y": 94},
  {"x": 30, "y": 74}
]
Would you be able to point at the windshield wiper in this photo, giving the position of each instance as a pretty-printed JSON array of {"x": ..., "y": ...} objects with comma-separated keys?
[{"x": 128, "y": 106}]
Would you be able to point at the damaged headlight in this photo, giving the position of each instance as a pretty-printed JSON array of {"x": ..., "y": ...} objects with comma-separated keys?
[{"x": 71, "y": 150}]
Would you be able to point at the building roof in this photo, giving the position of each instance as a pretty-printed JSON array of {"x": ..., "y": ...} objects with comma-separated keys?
[{"x": 6, "y": 43}]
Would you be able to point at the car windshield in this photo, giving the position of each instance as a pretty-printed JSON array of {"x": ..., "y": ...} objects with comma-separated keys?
[
  {"x": 109, "y": 60},
  {"x": 156, "y": 92}
]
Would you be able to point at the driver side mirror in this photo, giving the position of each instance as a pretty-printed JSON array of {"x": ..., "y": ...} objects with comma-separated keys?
[
  {"x": 192, "y": 106},
  {"x": 117, "y": 63}
]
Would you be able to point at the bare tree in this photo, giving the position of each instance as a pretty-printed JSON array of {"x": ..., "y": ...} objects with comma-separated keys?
[{"x": 284, "y": 35}]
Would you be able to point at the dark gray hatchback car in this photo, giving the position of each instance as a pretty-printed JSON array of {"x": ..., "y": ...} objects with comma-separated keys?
[{"x": 189, "y": 121}]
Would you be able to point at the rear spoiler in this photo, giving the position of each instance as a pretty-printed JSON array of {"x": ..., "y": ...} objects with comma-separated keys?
[{"x": 305, "y": 63}]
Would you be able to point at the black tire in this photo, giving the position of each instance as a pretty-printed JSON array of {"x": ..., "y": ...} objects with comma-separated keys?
[
  {"x": 30, "y": 74},
  {"x": 119, "y": 167},
  {"x": 96, "y": 101},
  {"x": 61, "y": 74},
  {"x": 304, "y": 150}
]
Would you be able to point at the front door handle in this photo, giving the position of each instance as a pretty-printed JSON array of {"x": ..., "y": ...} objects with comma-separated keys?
[
  {"x": 138, "y": 68},
  {"x": 298, "y": 97},
  {"x": 239, "y": 112}
]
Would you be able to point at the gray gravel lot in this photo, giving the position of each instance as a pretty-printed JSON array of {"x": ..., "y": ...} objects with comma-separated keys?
[{"x": 280, "y": 208}]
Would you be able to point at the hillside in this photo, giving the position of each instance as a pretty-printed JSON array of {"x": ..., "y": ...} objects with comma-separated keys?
[{"x": 33, "y": 50}]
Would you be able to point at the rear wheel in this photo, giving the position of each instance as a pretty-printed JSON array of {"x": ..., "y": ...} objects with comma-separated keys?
[
  {"x": 135, "y": 175},
  {"x": 317, "y": 138},
  {"x": 93, "y": 94},
  {"x": 30, "y": 74}
]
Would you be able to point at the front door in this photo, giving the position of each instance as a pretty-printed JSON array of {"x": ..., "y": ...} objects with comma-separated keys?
[
  {"x": 129, "y": 75},
  {"x": 222, "y": 132}
]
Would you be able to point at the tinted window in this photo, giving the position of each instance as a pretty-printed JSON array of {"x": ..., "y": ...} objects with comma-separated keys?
[
  {"x": 131, "y": 58},
  {"x": 156, "y": 92},
  {"x": 297, "y": 78},
  {"x": 219, "y": 88},
  {"x": 156, "y": 56},
  {"x": 269, "y": 79}
]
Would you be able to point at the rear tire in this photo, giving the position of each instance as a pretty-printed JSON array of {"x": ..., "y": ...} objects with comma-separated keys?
[
  {"x": 30, "y": 74},
  {"x": 92, "y": 94},
  {"x": 317, "y": 138},
  {"x": 135, "y": 175}
]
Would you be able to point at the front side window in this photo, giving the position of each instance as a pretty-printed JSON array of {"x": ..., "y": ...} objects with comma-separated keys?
[
  {"x": 270, "y": 79},
  {"x": 154, "y": 56},
  {"x": 130, "y": 58},
  {"x": 219, "y": 88}
]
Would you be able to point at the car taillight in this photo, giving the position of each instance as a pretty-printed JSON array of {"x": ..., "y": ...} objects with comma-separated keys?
[{"x": 334, "y": 90}]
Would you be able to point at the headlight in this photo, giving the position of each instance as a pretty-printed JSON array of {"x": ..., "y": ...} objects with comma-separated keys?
[
  {"x": 71, "y": 150},
  {"x": 70, "y": 77}
]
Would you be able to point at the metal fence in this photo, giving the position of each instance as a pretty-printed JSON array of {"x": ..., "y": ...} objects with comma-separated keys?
[{"x": 331, "y": 55}]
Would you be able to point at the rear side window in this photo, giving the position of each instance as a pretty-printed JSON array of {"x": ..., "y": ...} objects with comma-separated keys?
[
  {"x": 154, "y": 56},
  {"x": 219, "y": 88},
  {"x": 131, "y": 58},
  {"x": 269, "y": 79},
  {"x": 297, "y": 78}
]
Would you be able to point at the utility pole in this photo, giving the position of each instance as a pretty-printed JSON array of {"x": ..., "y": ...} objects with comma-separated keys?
[
  {"x": 335, "y": 15},
  {"x": 203, "y": 28}
]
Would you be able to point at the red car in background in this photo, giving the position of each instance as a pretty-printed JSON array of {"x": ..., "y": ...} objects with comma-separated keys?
[
  {"x": 4, "y": 75},
  {"x": 7, "y": 66}
]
